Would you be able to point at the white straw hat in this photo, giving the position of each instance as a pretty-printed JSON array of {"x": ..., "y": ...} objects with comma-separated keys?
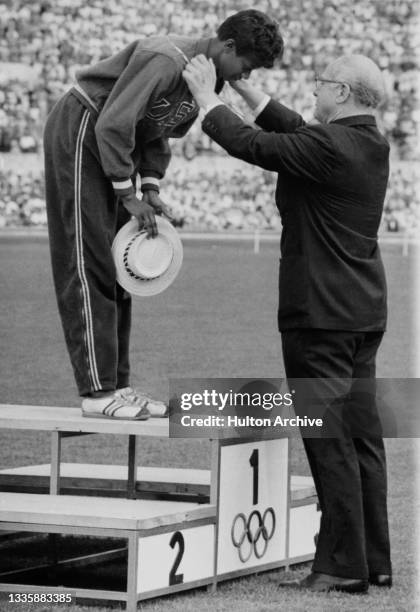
[{"x": 147, "y": 266}]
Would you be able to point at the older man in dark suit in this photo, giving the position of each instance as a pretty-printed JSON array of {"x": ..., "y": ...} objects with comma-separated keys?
[{"x": 332, "y": 178}]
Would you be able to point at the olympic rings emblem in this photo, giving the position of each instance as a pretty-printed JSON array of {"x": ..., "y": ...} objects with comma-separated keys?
[{"x": 253, "y": 530}]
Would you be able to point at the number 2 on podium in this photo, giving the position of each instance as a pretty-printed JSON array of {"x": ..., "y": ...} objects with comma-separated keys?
[{"x": 175, "y": 578}]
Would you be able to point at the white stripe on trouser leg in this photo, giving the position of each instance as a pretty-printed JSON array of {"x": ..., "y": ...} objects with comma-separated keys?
[{"x": 87, "y": 311}]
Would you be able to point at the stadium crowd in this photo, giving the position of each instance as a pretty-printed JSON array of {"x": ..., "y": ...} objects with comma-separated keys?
[
  {"x": 211, "y": 199},
  {"x": 43, "y": 43}
]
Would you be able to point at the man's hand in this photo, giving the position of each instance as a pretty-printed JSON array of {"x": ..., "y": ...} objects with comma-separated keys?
[
  {"x": 200, "y": 75},
  {"x": 252, "y": 96},
  {"x": 145, "y": 209}
]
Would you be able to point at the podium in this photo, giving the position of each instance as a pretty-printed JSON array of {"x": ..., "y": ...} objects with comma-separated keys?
[{"x": 184, "y": 528}]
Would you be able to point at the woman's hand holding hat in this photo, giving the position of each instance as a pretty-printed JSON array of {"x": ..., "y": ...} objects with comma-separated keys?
[
  {"x": 152, "y": 198},
  {"x": 145, "y": 209}
]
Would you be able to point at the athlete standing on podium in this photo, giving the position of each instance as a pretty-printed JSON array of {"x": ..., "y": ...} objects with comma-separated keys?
[{"x": 112, "y": 125}]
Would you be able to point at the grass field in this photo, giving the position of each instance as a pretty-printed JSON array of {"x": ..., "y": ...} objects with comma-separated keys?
[{"x": 217, "y": 320}]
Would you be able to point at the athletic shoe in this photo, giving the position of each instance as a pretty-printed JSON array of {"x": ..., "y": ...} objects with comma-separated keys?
[
  {"x": 114, "y": 407},
  {"x": 156, "y": 409}
]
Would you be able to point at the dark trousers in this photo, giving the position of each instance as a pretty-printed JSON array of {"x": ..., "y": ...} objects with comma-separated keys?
[
  {"x": 349, "y": 472},
  {"x": 83, "y": 218}
]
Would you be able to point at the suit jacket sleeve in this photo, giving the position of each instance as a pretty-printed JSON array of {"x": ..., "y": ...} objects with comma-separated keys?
[
  {"x": 278, "y": 118},
  {"x": 307, "y": 152}
]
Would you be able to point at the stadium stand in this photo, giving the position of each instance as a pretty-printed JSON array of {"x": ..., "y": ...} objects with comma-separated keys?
[
  {"x": 42, "y": 43},
  {"x": 212, "y": 199}
]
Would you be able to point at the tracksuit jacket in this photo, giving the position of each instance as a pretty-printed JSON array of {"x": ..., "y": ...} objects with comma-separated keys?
[
  {"x": 142, "y": 101},
  {"x": 113, "y": 124}
]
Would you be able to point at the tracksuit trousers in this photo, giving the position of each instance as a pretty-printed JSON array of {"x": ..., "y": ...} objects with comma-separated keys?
[
  {"x": 83, "y": 218},
  {"x": 349, "y": 471}
]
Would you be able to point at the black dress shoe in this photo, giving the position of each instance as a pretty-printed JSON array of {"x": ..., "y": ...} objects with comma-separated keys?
[
  {"x": 381, "y": 580},
  {"x": 324, "y": 582}
]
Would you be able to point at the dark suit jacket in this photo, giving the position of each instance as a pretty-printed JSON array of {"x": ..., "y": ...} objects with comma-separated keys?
[{"x": 330, "y": 192}]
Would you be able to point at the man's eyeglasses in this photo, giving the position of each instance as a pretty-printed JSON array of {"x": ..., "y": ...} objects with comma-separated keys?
[{"x": 319, "y": 80}]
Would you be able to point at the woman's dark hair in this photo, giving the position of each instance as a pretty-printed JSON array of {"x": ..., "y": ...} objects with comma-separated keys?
[{"x": 255, "y": 34}]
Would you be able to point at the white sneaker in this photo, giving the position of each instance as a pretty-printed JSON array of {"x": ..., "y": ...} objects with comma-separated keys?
[
  {"x": 114, "y": 407},
  {"x": 156, "y": 409}
]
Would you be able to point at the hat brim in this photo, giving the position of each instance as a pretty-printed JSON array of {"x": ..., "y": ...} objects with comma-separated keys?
[{"x": 153, "y": 286}]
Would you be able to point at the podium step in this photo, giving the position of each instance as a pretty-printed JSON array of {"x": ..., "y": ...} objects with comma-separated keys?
[
  {"x": 99, "y": 479},
  {"x": 55, "y": 418},
  {"x": 159, "y": 534},
  {"x": 104, "y": 513},
  {"x": 95, "y": 478}
]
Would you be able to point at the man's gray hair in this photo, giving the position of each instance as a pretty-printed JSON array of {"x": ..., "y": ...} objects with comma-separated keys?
[{"x": 366, "y": 95}]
